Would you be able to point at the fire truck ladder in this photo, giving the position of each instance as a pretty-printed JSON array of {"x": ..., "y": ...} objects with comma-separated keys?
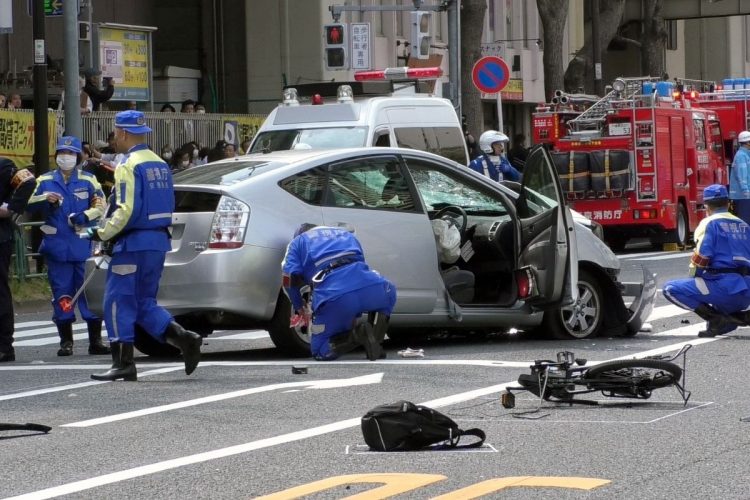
[{"x": 593, "y": 118}]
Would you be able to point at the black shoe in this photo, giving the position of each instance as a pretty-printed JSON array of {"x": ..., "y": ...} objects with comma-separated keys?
[
  {"x": 186, "y": 341},
  {"x": 66, "y": 349},
  {"x": 123, "y": 366},
  {"x": 715, "y": 328},
  {"x": 365, "y": 336},
  {"x": 65, "y": 330},
  {"x": 95, "y": 338},
  {"x": 7, "y": 356}
]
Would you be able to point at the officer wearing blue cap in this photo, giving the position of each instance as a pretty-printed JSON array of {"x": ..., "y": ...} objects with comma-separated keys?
[
  {"x": 139, "y": 228},
  {"x": 331, "y": 261},
  {"x": 69, "y": 199},
  {"x": 719, "y": 290}
]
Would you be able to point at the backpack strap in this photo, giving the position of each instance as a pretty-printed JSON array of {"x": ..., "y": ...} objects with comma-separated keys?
[{"x": 478, "y": 433}]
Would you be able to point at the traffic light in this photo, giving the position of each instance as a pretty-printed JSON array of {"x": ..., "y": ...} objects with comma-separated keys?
[
  {"x": 335, "y": 46},
  {"x": 420, "y": 34}
]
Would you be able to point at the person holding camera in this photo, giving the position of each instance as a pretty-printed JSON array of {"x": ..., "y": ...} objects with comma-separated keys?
[{"x": 93, "y": 89}]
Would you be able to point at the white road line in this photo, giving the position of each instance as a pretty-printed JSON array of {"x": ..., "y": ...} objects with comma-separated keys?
[
  {"x": 48, "y": 340},
  {"x": 249, "y": 335},
  {"x": 45, "y": 331},
  {"x": 628, "y": 256},
  {"x": 663, "y": 257},
  {"x": 667, "y": 311},
  {"x": 48, "y": 390},
  {"x": 30, "y": 324},
  {"x": 374, "y": 378}
]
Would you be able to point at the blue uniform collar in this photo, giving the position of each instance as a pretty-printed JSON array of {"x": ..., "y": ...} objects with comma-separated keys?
[{"x": 137, "y": 147}]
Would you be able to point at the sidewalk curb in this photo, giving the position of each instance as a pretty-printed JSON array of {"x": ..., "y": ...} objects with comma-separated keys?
[{"x": 32, "y": 306}]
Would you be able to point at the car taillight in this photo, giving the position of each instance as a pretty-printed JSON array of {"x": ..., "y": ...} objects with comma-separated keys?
[
  {"x": 229, "y": 224},
  {"x": 526, "y": 283}
]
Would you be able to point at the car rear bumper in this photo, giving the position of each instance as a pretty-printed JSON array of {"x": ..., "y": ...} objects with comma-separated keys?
[
  {"x": 213, "y": 281},
  {"x": 643, "y": 303}
]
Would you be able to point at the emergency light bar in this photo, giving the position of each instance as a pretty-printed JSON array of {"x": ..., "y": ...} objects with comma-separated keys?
[{"x": 399, "y": 73}]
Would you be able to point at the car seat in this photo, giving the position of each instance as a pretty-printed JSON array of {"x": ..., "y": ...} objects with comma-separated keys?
[{"x": 459, "y": 283}]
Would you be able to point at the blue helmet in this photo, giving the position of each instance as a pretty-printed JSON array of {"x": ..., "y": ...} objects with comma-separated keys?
[
  {"x": 715, "y": 192},
  {"x": 69, "y": 143}
]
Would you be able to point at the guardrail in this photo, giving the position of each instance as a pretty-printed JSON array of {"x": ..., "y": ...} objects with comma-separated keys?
[{"x": 22, "y": 255}]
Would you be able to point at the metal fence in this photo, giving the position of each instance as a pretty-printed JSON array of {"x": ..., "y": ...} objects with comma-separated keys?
[
  {"x": 23, "y": 253},
  {"x": 176, "y": 129}
]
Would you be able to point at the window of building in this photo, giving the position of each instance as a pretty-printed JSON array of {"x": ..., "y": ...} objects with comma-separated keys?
[{"x": 672, "y": 35}]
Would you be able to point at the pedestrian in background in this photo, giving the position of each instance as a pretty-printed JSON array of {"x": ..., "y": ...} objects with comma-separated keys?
[
  {"x": 139, "y": 232},
  {"x": 15, "y": 188},
  {"x": 739, "y": 177},
  {"x": 93, "y": 88},
  {"x": 518, "y": 153},
  {"x": 70, "y": 200}
]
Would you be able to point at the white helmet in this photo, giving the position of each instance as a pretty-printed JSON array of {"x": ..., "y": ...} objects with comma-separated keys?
[
  {"x": 488, "y": 138},
  {"x": 743, "y": 137}
]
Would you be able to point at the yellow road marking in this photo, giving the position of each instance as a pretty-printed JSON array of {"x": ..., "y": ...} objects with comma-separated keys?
[{"x": 492, "y": 485}]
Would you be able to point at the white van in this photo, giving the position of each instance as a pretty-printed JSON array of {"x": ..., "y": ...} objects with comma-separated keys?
[{"x": 359, "y": 114}]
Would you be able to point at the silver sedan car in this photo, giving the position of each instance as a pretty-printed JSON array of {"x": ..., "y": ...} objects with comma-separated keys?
[{"x": 524, "y": 263}]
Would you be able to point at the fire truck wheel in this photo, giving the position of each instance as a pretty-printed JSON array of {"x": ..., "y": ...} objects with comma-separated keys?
[
  {"x": 583, "y": 319},
  {"x": 681, "y": 233}
]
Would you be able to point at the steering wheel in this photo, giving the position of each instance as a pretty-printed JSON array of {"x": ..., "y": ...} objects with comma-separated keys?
[{"x": 445, "y": 213}]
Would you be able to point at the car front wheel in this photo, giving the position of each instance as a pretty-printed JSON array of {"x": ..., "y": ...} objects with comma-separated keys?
[{"x": 583, "y": 319}]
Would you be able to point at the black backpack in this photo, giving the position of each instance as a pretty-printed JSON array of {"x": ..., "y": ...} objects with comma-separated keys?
[{"x": 404, "y": 426}]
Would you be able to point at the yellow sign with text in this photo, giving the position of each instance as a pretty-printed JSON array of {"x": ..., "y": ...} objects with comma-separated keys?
[
  {"x": 17, "y": 136},
  {"x": 125, "y": 58}
]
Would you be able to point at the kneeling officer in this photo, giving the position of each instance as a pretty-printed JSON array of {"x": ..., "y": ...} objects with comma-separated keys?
[{"x": 331, "y": 261}]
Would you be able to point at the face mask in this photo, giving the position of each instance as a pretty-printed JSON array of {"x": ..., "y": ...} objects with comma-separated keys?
[
  {"x": 184, "y": 164},
  {"x": 195, "y": 153},
  {"x": 66, "y": 163},
  {"x": 167, "y": 155},
  {"x": 201, "y": 111}
]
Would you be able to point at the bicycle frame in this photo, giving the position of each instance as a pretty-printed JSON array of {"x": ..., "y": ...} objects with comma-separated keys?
[{"x": 564, "y": 379}]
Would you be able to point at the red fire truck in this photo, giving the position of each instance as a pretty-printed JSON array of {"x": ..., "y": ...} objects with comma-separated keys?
[{"x": 637, "y": 160}]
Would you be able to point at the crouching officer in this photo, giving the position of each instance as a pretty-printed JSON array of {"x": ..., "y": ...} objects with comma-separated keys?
[
  {"x": 144, "y": 201},
  {"x": 15, "y": 188},
  {"x": 331, "y": 261},
  {"x": 69, "y": 199},
  {"x": 720, "y": 267}
]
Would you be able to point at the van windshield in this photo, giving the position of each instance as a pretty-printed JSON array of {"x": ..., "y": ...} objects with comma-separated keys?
[{"x": 311, "y": 138}]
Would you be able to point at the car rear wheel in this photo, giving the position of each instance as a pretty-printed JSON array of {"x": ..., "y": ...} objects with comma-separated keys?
[
  {"x": 289, "y": 340},
  {"x": 583, "y": 319}
]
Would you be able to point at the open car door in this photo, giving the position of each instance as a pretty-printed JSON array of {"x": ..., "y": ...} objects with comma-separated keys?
[{"x": 547, "y": 271}]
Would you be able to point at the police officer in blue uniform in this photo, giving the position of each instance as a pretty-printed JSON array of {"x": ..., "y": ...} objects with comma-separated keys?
[
  {"x": 139, "y": 229},
  {"x": 719, "y": 290},
  {"x": 330, "y": 260},
  {"x": 491, "y": 162},
  {"x": 15, "y": 188},
  {"x": 70, "y": 200}
]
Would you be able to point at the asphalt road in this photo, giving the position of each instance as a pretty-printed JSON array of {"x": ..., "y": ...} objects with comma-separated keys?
[{"x": 244, "y": 426}]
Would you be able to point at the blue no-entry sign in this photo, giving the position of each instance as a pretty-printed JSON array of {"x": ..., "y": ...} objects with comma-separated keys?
[{"x": 490, "y": 74}]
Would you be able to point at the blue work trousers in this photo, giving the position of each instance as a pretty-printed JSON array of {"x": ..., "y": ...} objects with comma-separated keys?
[
  {"x": 130, "y": 296},
  {"x": 692, "y": 292},
  {"x": 65, "y": 278},
  {"x": 337, "y": 316}
]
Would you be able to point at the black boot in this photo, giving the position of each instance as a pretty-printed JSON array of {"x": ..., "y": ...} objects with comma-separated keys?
[
  {"x": 186, "y": 341},
  {"x": 716, "y": 323},
  {"x": 123, "y": 366},
  {"x": 66, "y": 339},
  {"x": 342, "y": 344},
  {"x": 7, "y": 355},
  {"x": 95, "y": 338},
  {"x": 365, "y": 335}
]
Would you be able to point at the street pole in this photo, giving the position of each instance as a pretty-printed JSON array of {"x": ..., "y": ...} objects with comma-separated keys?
[
  {"x": 597, "y": 47},
  {"x": 41, "y": 146},
  {"x": 454, "y": 55},
  {"x": 73, "y": 124}
]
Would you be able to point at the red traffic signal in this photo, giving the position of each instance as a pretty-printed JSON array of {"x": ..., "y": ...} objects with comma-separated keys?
[{"x": 335, "y": 34}]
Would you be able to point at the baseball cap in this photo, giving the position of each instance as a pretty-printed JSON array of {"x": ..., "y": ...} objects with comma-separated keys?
[
  {"x": 133, "y": 122},
  {"x": 715, "y": 192}
]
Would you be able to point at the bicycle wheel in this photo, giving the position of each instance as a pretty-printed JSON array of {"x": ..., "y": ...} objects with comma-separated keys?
[{"x": 645, "y": 374}]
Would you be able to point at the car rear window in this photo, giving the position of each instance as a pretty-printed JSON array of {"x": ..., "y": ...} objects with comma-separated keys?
[{"x": 223, "y": 173}]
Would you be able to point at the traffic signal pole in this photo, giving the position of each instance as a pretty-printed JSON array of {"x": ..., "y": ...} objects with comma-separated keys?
[
  {"x": 73, "y": 125},
  {"x": 41, "y": 146},
  {"x": 453, "y": 34}
]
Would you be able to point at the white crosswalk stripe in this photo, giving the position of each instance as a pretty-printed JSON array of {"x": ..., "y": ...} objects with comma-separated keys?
[{"x": 46, "y": 333}]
